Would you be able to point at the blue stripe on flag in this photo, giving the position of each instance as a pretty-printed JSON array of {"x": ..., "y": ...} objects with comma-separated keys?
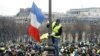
[{"x": 38, "y": 13}]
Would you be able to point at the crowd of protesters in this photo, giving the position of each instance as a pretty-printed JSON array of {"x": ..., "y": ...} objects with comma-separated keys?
[
  {"x": 22, "y": 49},
  {"x": 37, "y": 49},
  {"x": 81, "y": 50}
]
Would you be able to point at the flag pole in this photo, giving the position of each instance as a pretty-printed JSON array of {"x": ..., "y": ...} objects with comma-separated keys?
[
  {"x": 50, "y": 15},
  {"x": 50, "y": 21},
  {"x": 51, "y": 48}
]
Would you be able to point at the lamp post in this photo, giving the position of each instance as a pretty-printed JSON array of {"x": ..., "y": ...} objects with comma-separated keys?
[
  {"x": 50, "y": 48},
  {"x": 50, "y": 21}
]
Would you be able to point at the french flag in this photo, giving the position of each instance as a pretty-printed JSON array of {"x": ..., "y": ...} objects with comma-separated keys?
[{"x": 36, "y": 20}]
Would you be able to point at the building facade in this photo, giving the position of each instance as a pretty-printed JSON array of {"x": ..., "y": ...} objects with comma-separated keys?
[
  {"x": 85, "y": 12},
  {"x": 85, "y": 21}
]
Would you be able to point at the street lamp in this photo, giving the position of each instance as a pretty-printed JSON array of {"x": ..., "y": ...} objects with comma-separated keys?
[
  {"x": 50, "y": 21},
  {"x": 50, "y": 48}
]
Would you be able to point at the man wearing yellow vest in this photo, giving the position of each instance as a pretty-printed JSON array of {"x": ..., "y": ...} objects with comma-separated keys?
[{"x": 56, "y": 34}]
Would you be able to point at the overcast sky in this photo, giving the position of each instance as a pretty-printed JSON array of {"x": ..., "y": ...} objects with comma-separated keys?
[{"x": 11, "y": 7}]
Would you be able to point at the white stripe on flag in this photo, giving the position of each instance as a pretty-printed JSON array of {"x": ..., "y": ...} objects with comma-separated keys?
[{"x": 34, "y": 21}]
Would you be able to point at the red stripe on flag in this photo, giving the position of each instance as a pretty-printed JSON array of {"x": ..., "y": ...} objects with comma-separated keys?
[{"x": 34, "y": 33}]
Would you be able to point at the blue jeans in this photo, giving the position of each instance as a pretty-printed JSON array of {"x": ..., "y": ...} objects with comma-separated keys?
[{"x": 55, "y": 45}]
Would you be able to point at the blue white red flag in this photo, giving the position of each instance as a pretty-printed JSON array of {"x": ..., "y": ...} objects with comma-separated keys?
[{"x": 36, "y": 20}]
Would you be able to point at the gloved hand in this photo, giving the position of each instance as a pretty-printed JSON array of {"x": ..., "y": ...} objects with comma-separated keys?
[{"x": 53, "y": 33}]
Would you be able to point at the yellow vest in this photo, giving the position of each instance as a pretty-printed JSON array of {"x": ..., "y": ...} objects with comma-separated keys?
[
  {"x": 98, "y": 51},
  {"x": 55, "y": 29},
  {"x": 2, "y": 48},
  {"x": 44, "y": 36}
]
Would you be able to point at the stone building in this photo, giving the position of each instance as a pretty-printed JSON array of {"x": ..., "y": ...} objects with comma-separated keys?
[{"x": 87, "y": 17}]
